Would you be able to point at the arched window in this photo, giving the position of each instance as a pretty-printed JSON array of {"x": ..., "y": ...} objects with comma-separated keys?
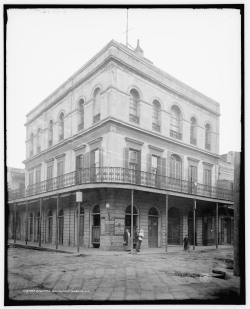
[
  {"x": 50, "y": 139},
  {"x": 31, "y": 144},
  {"x": 134, "y": 106},
  {"x": 175, "y": 122},
  {"x": 175, "y": 167},
  {"x": 38, "y": 143},
  {"x": 80, "y": 114},
  {"x": 96, "y": 105},
  {"x": 207, "y": 137},
  {"x": 156, "y": 116},
  {"x": 61, "y": 126},
  {"x": 193, "y": 131}
]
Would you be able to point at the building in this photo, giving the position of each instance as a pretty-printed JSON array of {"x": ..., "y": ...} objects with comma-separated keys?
[
  {"x": 15, "y": 178},
  {"x": 122, "y": 132}
]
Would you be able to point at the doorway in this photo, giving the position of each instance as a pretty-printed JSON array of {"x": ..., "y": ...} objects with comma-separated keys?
[
  {"x": 49, "y": 226},
  {"x": 153, "y": 217},
  {"x": 81, "y": 227},
  {"x": 96, "y": 222},
  {"x": 173, "y": 226}
]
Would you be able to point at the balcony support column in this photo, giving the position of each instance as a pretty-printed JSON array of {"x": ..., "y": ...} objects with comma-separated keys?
[
  {"x": 166, "y": 249},
  {"x": 217, "y": 225},
  {"x": 26, "y": 232},
  {"x": 40, "y": 225},
  {"x": 132, "y": 223},
  {"x": 57, "y": 212},
  {"x": 15, "y": 205},
  {"x": 194, "y": 208}
]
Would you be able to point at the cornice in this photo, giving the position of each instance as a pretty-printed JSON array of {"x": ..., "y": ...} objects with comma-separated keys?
[
  {"x": 193, "y": 159},
  {"x": 60, "y": 156},
  {"x": 208, "y": 163},
  {"x": 95, "y": 141},
  {"x": 155, "y": 148},
  {"x": 80, "y": 147},
  {"x": 130, "y": 140}
]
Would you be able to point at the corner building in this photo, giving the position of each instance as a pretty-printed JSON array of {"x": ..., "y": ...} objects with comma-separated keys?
[{"x": 124, "y": 133}]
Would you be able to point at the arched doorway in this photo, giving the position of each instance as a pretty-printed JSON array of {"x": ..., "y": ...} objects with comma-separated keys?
[
  {"x": 173, "y": 226},
  {"x": 191, "y": 228},
  {"x": 81, "y": 228},
  {"x": 128, "y": 219},
  {"x": 31, "y": 226},
  {"x": 96, "y": 223},
  {"x": 38, "y": 222},
  {"x": 153, "y": 218},
  {"x": 60, "y": 225},
  {"x": 49, "y": 226}
]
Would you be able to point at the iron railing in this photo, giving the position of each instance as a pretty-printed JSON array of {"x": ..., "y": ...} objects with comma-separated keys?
[{"x": 121, "y": 175}]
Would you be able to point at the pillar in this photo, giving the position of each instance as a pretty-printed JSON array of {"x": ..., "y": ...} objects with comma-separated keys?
[
  {"x": 132, "y": 209},
  {"x": 26, "y": 233},
  {"x": 217, "y": 225},
  {"x": 194, "y": 208},
  {"x": 57, "y": 211},
  {"x": 166, "y": 249},
  {"x": 40, "y": 225}
]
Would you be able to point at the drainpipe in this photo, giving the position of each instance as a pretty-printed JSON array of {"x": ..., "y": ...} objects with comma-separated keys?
[
  {"x": 166, "y": 223},
  {"x": 217, "y": 225}
]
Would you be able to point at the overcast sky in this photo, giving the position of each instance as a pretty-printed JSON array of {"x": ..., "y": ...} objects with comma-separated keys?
[{"x": 45, "y": 47}]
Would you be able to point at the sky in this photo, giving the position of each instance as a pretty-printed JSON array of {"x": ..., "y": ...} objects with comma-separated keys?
[{"x": 45, "y": 47}]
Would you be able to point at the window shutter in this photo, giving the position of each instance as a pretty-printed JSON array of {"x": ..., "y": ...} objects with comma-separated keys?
[
  {"x": 86, "y": 160},
  {"x": 92, "y": 158},
  {"x": 125, "y": 157},
  {"x": 159, "y": 166},
  {"x": 149, "y": 163},
  {"x": 139, "y": 160},
  {"x": 164, "y": 166}
]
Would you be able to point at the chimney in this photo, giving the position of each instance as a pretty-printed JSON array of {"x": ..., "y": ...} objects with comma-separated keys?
[{"x": 138, "y": 49}]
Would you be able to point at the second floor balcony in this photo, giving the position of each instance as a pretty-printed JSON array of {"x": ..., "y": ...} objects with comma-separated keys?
[{"x": 122, "y": 176}]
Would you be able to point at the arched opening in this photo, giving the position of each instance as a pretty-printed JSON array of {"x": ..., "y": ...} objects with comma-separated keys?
[
  {"x": 49, "y": 226},
  {"x": 38, "y": 222},
  {"x": 156, "y": 115},
  {"x": 81, "y": 227},
  {"x": 134, "y": 106},
  {"x": 96, "y": 223},
  {"x": 61, "y": 127},
  {"x": 61, "y": 224},
  {"x": 50, "y": 137},
  {"x": 208, "y": 136},
  {"x": 153, "y": 225},
  {"x": 31, "y": 226},
  {"x": 173, "y": 226},
  {"x": 175, "y": 122},
  {"x": 80, "y": 113},
  {"x": 193, "y": 131}
]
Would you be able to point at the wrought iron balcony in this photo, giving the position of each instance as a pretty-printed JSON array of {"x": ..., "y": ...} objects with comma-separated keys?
[
  {"x": 156, "y": 127},
  {"x": 124, "y": 176},
  {"x": 175, "y": 134},
  {"x": 96, "y": 118},
  {"x": 134, "y": 118}
]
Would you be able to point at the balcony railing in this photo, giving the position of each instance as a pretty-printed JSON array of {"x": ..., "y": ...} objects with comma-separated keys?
[
  {"x": 134, "y": 118},
  {"x": 124, "y": 176},
  {"x": 156, "y": 127},
  {"x": 175, "y": 134}
]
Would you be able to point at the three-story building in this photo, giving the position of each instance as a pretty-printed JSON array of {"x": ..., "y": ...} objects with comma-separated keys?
[{"x": 123, "y": 132}]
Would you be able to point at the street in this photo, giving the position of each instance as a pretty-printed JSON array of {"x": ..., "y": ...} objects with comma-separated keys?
[{"x": 121, "y": 276}]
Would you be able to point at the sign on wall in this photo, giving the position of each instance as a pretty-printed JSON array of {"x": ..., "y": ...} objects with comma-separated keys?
[{"x": 119, "y": 226}]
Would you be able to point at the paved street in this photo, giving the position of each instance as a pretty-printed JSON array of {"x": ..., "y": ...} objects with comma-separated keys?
[{"x": 38, "y": 275}]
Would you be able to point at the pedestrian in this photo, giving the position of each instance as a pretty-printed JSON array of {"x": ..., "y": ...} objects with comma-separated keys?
[
  {"x": 186, "y": 243},
  {"x": 141, "y": 235},
  {"x": 127, "y": 240},
  {"x": 137, "y": 241}
]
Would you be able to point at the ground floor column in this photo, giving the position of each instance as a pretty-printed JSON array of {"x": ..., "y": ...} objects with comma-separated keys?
[
  {"x": 15, "y": 205},
  {"x": 217, "y": 225},
  {"x": 57, "y": 212},
  {"x": 132, "y": 223},
  {"x": 40, "y": 225},
  {"x": 166, "y": 249},
  {"x": 26, "y": 232},
  {"x": 194, "y": 208}
]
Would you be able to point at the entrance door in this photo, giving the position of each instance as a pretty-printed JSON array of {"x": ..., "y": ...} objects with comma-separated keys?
[
  {"x": 173, "y": 226},
  {"x": 96, "y": 222},
  {"x": 226, "y": 231},
  {"x": 191, "y": 228},
  {"x": 152, "y": 232}
]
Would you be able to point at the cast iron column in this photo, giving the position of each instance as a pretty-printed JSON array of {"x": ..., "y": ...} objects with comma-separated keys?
[
  {"x": 78, "y": 228},
  {"x": 57, "y": 210},
  {"x": 40, "y": 225},
  {"x": 166, "y": 223},
  {"x": 132, "y": 208},
  {"x": 194, "y": 225},
  {"x": 217, "y": 225},
  {"x": 26, "y": 234}
]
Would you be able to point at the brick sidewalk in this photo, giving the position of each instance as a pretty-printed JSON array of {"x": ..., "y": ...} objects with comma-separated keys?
[{"x": 121, "y": 277}]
